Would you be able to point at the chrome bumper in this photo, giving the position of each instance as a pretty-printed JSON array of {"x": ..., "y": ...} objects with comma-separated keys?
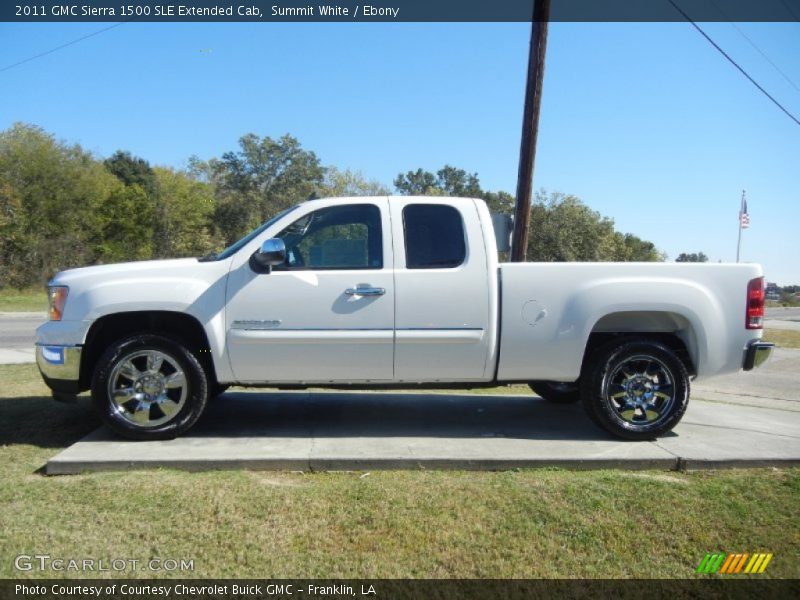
[
  {"x": 60, "y": 365},
  {"x": 756, "y": 354}
]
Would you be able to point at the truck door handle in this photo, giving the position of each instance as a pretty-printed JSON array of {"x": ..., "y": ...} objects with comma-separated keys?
[{"x": 365, "y": 291}]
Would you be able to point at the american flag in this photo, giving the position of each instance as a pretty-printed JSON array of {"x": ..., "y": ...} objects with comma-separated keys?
[{"x": 744, "y": 218}]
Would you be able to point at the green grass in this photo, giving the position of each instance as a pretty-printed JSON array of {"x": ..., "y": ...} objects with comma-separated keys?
[
  {"x": 784, "y": 338},
  {"x": 12, "y": 300},
  {"x": 529, "y": 523}
]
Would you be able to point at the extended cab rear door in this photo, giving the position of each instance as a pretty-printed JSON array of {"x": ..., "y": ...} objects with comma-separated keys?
[{"x": 442, "y": 307}]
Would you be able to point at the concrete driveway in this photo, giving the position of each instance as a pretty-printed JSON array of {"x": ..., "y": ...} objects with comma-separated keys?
[
  {"x": 744, "y": 419},
  {"x": 356, "y": 431}
]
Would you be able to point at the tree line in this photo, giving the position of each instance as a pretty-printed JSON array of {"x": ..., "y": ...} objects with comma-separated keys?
[{"x": 61, "y": 206}]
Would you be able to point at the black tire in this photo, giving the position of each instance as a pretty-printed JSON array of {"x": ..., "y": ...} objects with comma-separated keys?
[
  {"x": 149, "y": 404},
  {"x": 636, "y": 389},
  {"x": 556, "y": 392}
]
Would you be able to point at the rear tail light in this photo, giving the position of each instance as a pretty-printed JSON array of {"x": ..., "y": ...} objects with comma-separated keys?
[{"x": 754, "y": 318}]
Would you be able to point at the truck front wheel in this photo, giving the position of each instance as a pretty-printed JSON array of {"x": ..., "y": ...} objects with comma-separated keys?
[
  {"x": 637, "y": 389},
  {"x": 149, "y": 387}
]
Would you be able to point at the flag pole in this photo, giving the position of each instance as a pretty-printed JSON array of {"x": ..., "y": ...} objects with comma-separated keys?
[{"x": 739, "y": 241}]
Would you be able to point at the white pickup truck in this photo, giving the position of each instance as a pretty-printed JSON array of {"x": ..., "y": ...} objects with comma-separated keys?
[{"x": 394, "y": 291}]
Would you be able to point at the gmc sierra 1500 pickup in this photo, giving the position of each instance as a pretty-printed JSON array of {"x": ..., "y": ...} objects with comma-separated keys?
[{"x": 394, "y": 291}]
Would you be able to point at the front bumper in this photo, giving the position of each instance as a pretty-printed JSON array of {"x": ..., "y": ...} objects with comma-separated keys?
[
  {"x": 60, "y": 367},
  {"x": 756, "y": 354}
]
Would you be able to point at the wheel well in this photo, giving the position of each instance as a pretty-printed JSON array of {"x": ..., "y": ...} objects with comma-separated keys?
[
  {"x": 669, "y": 339},
  {"x": 110, "y": 328}
]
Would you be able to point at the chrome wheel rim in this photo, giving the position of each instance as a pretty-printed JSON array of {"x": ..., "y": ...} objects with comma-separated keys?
[
  {"x": 147, "y": 388},
  {"x": 640, "y": 391}
]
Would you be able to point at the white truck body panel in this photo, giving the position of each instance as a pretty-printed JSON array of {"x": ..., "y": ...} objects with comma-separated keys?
[
  {"x": 300, "y": 326},
  {"x": 444, "y": 318},
  {"x": 478, "y": 322},
  {"x": 549, "y": 310}
]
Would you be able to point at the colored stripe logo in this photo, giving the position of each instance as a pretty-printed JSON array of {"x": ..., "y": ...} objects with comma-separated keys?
[{"x": 735, "y": 563}]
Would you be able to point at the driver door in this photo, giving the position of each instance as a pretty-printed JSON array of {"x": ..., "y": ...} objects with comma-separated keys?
[{"x": 325, "y": 315}]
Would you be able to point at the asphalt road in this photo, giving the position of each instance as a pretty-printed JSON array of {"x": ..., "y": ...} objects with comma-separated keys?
[{"x": 17, "y": 336}]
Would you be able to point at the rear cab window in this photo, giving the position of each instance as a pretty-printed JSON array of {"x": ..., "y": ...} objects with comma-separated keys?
[{"x": 434, "y": 236}]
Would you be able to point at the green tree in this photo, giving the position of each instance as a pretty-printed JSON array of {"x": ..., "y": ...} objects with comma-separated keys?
[
  {"x": 500, "y": 202},
  {"x": 51, "y": 196},
  {"x": 261, "y": 178},
  {"x": 638, "y": 250},
  {"x": 693, "y": 257},
  {"x": 136, "y": 172},
  {"x": 341, "y": 183},
  {"x": 564, "y": 229},
  {"x": 448, "y": 180},
  {"x": 188, "y": 209},
  {"x": 132, "y": 170}
]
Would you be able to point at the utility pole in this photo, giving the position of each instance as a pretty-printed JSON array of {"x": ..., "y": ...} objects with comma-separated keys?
[{"x": 530, "y": 128}]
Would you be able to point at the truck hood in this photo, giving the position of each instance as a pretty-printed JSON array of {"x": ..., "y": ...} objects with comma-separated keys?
[
  {"x": 165, "y": 285},
  {"x": 145, "y": 268}
]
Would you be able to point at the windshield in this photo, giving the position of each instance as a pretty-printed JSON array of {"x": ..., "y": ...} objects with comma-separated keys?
[{"x": 236, "y": 246}]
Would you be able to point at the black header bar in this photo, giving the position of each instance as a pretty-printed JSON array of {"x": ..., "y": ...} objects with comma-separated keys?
[
  {"x": 281, "y": 11},
  {"x": 708, "y": 588}
]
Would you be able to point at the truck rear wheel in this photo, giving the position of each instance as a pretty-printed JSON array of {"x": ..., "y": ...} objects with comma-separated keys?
[
  {"x": 637, "y": 389},
  {"x": 149, "y": 387},
  {"x": 556, "y": 391}
]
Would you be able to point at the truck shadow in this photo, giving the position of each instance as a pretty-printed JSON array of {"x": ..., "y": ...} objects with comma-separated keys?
[
  {"x": 43, "y": 422},
  {"x": 346, "y": 414}
]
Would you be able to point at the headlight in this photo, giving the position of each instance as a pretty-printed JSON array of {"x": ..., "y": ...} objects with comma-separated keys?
[{"x": 57, "y": 297}]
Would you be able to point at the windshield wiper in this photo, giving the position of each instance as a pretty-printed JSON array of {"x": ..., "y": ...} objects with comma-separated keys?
[{"x": 208, "y": 257}]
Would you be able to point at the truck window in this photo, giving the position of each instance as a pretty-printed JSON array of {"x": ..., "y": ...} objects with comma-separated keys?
[
  {"x": 434, "y": 235},
  {"x": 337, "y": 237}
]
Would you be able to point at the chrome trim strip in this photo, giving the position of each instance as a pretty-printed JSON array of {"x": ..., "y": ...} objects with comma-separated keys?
[
  {"x": 285, "y": 329},
  {"x": 313, "y": 336},
  {"x": 439, "y": 336},
  {"x": 439, "y": 329},
  {"x": 249, "y": 328},
  {"x": 256, "y": 325}
]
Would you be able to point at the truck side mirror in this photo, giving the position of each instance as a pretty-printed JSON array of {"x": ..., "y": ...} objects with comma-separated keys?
[{"x": 271, "y": 253}]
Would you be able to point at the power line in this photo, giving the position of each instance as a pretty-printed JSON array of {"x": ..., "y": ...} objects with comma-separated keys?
[
  {"x": 791, "y": 12},
  {"x": 753, "y": 44},
  {"x": 75, "y": 41},
  {"x": 777, "y": 68},
  {"x": 735, "y": 64}
]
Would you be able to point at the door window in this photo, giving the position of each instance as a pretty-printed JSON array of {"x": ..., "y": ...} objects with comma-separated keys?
[
  {"x": 337, "y": 237},
  {"x": 434, "y": 235}
]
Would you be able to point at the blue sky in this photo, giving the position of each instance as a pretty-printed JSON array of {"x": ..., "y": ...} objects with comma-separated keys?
[{"x": 646, "y": 123}]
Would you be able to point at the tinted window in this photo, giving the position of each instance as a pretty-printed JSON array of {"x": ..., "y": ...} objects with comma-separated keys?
[
  {"x": 434, "y": 236},
  {"x": 337, "y": 237}
]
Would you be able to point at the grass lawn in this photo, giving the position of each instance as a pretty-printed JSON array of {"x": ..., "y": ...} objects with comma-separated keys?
[
  {"x": 12, "y": 300},
  {"x": 529, "y": 523},
  {"x": 784, "y": 338}
]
